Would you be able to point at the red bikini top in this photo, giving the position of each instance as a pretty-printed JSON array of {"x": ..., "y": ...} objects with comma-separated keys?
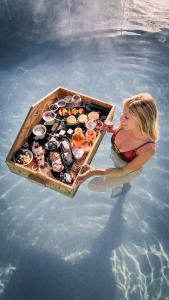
[{"x": 126, "y": 155}]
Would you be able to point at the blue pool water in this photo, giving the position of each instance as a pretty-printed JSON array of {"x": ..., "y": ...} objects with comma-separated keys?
[{"x": 93, "y": 246}]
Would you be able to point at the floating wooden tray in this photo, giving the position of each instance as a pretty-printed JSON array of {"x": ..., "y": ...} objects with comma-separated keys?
[{"x": 32, "y": 119}]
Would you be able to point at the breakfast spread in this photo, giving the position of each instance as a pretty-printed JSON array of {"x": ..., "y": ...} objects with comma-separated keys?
[{"x": 63, "y": 138}]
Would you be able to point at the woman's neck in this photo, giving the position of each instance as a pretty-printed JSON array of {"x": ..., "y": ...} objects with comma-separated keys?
[{"x": 139, "y": 135}]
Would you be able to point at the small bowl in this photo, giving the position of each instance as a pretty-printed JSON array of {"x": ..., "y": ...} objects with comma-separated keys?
[
  {"x": 22, "y": 152},
  {"x": 30, "y": 156}
]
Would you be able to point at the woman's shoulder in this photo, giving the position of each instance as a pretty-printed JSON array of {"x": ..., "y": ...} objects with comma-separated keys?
[{"x": 149, "y": 146}]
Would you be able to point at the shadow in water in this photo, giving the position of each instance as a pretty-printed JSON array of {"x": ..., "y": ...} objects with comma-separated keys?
[{"x": 41, "y": 275}]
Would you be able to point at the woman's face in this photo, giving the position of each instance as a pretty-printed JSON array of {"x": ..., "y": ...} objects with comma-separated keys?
[{"x": 128, "y": 121}]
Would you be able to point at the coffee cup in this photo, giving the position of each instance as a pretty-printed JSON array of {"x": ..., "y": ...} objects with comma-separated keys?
[
  {"x": 49, "y": 117},
  {"x": 77, "y": 100},
  {"x": 55, "y": 106},
  {"x": 39, "y": 131}
]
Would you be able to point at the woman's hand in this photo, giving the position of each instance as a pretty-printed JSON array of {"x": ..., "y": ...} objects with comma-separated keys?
[{"x": 85, "y": 172}]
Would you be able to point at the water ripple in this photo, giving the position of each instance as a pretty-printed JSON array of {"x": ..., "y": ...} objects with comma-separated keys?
[{"x": 133, "y": 267}]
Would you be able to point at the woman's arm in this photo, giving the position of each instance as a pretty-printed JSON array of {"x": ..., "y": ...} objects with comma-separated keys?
[
  {"x": 91, "y": 171},
  {"x": 143, "y": 156}
]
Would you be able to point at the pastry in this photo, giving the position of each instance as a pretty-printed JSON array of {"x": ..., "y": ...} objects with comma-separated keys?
[
  {"x": 57, "y": 167},
  {"x": 66, "y": 146},
  {"x": 93, "y": 115},
  {"x": 62, "y": 132},
  {"x": 70, "y": 131},
  {"x": 75, "y": 111},
  {"x": 81, "y": 110},
  {"x": 82, "y": 118},
  {"x": 71, "y": 120}
]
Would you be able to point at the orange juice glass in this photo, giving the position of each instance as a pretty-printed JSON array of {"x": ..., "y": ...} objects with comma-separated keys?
[
  {"x": 77, "y": 140},
  {"x": 90, "y": 135}
]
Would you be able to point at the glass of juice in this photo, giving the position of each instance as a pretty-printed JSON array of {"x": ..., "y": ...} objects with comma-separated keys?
[{"x": 90, "y": 135}]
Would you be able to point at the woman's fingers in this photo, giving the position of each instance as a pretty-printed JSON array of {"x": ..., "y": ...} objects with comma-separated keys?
[
  {"x": 85, "y": 173},
  {"x": 84, "y": 169},
  {"x": 82, "y": 177}
]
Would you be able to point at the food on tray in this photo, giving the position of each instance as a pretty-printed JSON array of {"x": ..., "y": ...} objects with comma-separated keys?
[
  {"x": 77, "y": 99},
  {"x": 66, "y": 177},
  {"x": 61, "y": 103},
  {"x": 78, "y": 153},
  {"x": 49, "y": 117},
  {"x": 68, "y": 99},
  {"x": 58, "y": 161},
  {"x": 76, "y": 167},
  {"x": 90, "y": 124},
  {"x": 52, "y": 144},
  {"x": 90, "y": 135},
  {"x": 78, "y": 138},
  {"x": 54, "y": 156},
  {"x": 99, "y": 125},
  {"x": 70, "y": 131},
  {"x": 39, "y": 131},
  {"x": 75, "y": 111},
  {"x": 67, "y": 153},
  {"x": 68, "y": 158},
  {"x": 55, "y": 161},
  {"x": 81, "y": 110},
  {"x": 71, "y": 120},
  {"x": 53, "y": 107},
  {"x": 86, "y": 146},
  {"x": 38, "y": 154},
  {"x": 69, "y": 111},
  {"x": 82, "y": 118},
  {"x": 78, "y": 130},
  {"x": 57, "y": 167},
  {"x": 23, "y": 157},
  {"x": 55, "y": 126},
  {"x": 93, "y": 115},
  {"x": 66, "y": 146},
  {"x": 62, "y": 132},
  {"x": 62, "y": 111}
]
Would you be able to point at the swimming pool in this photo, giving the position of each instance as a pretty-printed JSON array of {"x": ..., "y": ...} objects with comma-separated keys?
[{"x": 94, "y": 246}]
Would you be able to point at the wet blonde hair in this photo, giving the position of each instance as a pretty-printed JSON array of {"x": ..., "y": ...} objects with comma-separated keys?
[{"x": 143, "y": 107}]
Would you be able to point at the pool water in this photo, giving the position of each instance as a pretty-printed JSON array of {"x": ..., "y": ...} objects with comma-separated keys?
[{"x": 94, "y": 246}]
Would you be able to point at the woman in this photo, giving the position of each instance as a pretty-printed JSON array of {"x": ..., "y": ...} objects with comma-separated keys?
[{"x": 133, "y": 142}]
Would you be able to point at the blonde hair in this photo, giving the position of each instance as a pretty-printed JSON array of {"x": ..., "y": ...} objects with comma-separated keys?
[{"x": 143, "y": 107}]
